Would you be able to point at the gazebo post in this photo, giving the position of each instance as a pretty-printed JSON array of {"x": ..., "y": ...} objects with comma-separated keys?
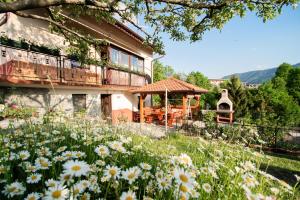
[
  {"x": 142, "y": 97},
  {"x": 184, "y": 106}
]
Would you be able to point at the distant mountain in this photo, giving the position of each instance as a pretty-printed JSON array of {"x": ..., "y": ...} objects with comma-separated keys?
[{"x": 257, "y": 76}]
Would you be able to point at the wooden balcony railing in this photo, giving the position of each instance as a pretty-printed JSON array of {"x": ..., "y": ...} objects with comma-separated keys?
[
  {"x": 117, "y": 77},
  {"x": 20, "y": 66}
]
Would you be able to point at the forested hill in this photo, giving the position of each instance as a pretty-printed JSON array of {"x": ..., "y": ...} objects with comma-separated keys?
[{"x": 257, "y": 76}]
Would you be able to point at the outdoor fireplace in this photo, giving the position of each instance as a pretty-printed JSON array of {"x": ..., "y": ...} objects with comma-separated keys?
[{"x": 224, "y": 108}]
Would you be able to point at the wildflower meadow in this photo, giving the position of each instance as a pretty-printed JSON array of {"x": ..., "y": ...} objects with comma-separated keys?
[{"x": 81, "y": 159}]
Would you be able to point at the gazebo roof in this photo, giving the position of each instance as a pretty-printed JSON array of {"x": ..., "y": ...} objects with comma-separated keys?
[{"x": 173, "y": 85}]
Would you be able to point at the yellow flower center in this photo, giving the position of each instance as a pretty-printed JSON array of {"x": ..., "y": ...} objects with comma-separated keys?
[
  {"x": 131, "y": 176},
  {"x": 76, "y": 168},
  {"x": 67, "y": 177},
  {"x": 183, "y": 178},
  {"x": 32, "y": 198},
  {"x": 163, "y": 184},
  {"x": 44, "y": 164},
  {"x": 129, "y": 198},
  {"x": 183, "y": 188},
  {"x": 56, "y": 194},
  {"x": 112, "y": 172},
  {"x": 12, "y": 189},
  {"x": 76, "y": 191},
  {"x": 33, "y": 177},
  {"x": 84, "y": 197},
  {"x": 182, "y": 197}
]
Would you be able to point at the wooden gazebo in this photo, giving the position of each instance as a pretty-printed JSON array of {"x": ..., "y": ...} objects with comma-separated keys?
[{"x": 169, "y": 86}]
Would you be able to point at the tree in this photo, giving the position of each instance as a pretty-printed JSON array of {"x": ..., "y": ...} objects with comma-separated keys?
[
  {"x": 293, "y": 84},
  {"x": 238, "y": 95},
  {"x": 161, "y": 72},
  {"x": 283, "y": 71},
  {"x": 180, "y": 19},
  {"x": 197, "y": 78}
]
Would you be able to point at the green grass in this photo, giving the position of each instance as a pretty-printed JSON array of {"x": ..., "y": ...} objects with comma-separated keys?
[{"x": 281, "y": 166}]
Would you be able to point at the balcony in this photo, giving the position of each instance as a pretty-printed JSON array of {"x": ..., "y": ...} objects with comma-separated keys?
[{"x": 19, "y": 66}]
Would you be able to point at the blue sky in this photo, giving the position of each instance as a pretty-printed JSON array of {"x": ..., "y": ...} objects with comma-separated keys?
[{"x": 243, "y": 44}]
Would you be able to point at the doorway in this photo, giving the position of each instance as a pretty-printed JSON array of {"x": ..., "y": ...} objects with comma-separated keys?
[{"x": 106, "y": 109}]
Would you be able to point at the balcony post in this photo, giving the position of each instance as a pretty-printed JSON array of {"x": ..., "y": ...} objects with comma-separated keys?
[
  {"x": 142, "y": 97},
  {"x": 184, "y": 106}
]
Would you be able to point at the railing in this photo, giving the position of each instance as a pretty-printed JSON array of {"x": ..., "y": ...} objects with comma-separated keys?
[
  {"x": 17, "y": 65},
  {"x": 117, "y": 77},
  {"x": 21, "y": 65}
]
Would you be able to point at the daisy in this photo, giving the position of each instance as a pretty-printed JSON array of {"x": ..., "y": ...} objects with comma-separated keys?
[
  {"x": 42, "y": 163},
  {"x": 24, "y": 155},
  {"x": 131, "y": 174},
  {"x": 51, "y": 183},
  {"x": 76, "y": 168},
  {"x": 65, "y": 177},
  {"x": 14, "y": 189},
  {"x": 30, "y": 168},
  {"x": 249, "y": 180},
  {"x": 33, "y": 196},
  {"x": 67, "y": 154},
  {"x": 164, "y": 183},
  {"x": 34, "y": 178},
  {"x": 61, "y": 149},
  {"x": 183, "y": 188},
  {"x": 184, "y": 159},
  {"x": 206, "y": 187},
  {"x": 145, "y": 166},
  {"x": 112, "y": 172},
  {"x": 76, "y": 190},
  {"x": 102, "y": 151},
  {"x": 118, "y": 146},
  {"x": 183, "y": 177},
  {"x": 128, "y": 196},
  {"x": 85, "y": 196},
  {"x": 57, "y": 193}
]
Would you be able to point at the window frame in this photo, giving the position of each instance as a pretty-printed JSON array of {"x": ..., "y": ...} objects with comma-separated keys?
[{"x": 130, "y": 55}]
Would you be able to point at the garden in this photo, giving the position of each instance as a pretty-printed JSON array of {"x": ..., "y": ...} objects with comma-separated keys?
[{"x": 78, "y": 158}]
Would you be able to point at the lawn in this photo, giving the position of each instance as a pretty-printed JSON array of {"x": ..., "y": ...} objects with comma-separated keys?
[{"x": 82, "y": 159}]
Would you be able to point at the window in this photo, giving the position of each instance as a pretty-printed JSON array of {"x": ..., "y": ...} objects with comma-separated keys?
[
  {"x": 124, "y": 61},
  {"x": 79, "y": 102},
  {"x": 114, "y": 56},
  {"x": 121, "y": 58},
  {"x": 137, "y": 64}
]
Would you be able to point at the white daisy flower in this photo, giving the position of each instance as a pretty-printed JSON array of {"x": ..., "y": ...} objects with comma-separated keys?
[
  {"x": 117, "y": 146},
  {"x": 164, "y": 183},
  {"x": 61, "y": 149},
  {"x": 183, "y": 177},
  {"x": 184, "y": 159},
  {"x": 145, "y": 166},
  {"x": 206, "y": 187},
  {"x": 102, "y": 151},
  {"x": 76, "y": 168},
  {"x": 14, "y": 189},
  {"x": 130, "y": 195},
  {"x": 112, "y": 172},
  {"x": 24, "y": 155},
  {"x": 131, "y": 174},
  {"x": 57, "y": 193},
  {"x": 42, "y": 163},
  {"x": 33, "y": 196},
  {"x": 51, "y": 183},
  {"x": 249, "y": 180},
  {"x": 34, "y": 178}
]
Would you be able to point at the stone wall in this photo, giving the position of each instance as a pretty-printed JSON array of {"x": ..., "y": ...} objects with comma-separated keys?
[{"x": 43, "y": 99}]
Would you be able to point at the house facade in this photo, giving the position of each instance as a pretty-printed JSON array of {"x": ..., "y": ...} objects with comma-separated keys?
[{"x": 36, "y": 70}]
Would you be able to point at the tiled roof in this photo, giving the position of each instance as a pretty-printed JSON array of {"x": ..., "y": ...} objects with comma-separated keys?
[{"x": 172, "y": 84}]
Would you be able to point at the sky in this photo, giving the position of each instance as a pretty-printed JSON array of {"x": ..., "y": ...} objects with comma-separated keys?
[{"x": 244, "y": 44}]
